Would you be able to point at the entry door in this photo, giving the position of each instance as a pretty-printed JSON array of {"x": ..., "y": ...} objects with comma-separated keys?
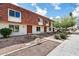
[
  {"x": 45, "y": 29},
  {"x": 29, "y": 28}
]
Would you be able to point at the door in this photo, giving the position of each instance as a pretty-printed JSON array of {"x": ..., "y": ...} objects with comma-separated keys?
[
  {"x": 45, "y": 29},
  {"x": 29, "y": 28}
]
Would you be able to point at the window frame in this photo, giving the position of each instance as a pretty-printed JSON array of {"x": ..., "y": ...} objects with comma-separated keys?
[
  {"x": 46, "y": 21},
  {"x": 38, "y": 29},
  {"x": 14, "y": 13},
  {"x": 14, "y": 29},
  {"x": 40, "y": 19},
  {"x": 11, "y": 13},
  {"x": 50, "y": 29}
]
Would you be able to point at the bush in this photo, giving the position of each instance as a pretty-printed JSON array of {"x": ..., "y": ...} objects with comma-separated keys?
[
  {"x": 5, "y": 32},
  {"x": 63, "y": 35},
  {"x": 60, "y": 36},
  {"x": 56, "y": 36},
  {"x": 73, "y": 29}
]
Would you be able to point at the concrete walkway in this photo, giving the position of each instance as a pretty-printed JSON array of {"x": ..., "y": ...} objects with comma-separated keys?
[{"x": 69, "y": 47}]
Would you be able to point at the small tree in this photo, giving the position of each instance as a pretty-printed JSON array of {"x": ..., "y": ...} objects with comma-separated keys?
[
  {"x": 5, "y": 32},
  {"x": 57, "y": 24},
  {"x": 65, "y": 23}
]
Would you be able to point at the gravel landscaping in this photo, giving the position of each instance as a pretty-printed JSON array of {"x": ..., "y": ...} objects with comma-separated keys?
[{"x": 21, "y": 39}]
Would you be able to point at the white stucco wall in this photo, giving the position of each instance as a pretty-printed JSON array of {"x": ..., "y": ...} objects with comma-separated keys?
[
  {"x": 37, "y": 32},
  {"x": 48, "y": 29},
  {"x": 14, "y": 19},
  {"x": 22, "y": 29}
]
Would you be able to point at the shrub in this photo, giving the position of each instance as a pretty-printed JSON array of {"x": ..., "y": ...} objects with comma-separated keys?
[
  {"x": 5, "y": 32},
  {"x": 56, "y": 36},
  {"x": 63, "y": 36},
  {"x": 73, "y": 29}
]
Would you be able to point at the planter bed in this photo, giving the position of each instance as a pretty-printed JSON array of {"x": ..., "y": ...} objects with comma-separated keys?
[{"x": 21, "y": 39}]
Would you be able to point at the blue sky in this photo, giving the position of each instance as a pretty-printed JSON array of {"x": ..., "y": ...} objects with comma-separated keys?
[{"x": 51, "y": 10}]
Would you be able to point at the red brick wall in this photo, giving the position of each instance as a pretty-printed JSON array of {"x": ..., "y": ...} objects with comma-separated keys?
[
  {"x": 28, "y": 17},
  {"x": 3, "y": 13}
]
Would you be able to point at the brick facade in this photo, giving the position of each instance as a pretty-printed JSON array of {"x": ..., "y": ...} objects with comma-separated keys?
[
  {"x": 29, "y": 20},
  {"x": 27, "y": 16}
]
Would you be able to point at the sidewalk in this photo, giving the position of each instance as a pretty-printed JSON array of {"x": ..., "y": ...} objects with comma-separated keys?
[{"x": 69, "y": 47}]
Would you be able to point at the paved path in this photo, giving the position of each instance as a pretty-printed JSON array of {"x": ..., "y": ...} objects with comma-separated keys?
[{"x": 69, "y": 47}]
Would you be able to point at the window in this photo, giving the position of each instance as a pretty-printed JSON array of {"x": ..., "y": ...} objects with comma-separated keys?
[
  {"x": 14, "y": 28},
  {"x": 14, "y": 13},
  {"x": 11, "y": 13},
  {"x": 39, "y": 19},
  {"x": 11, "y": 27},
  {"x": 49, "y": 29},
  {"x": 38, "y": 28},
  {"x": 17, "y": 14}
]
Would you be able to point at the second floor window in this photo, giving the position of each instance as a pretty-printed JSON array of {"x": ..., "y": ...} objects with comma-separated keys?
[
  {"x": 17, "y": 14},
  {"x": 46, "y": 21},
  {"x": 14, "y": 13},
  {"x": 11, "y": 13},
  {"x": 40, "y": 19}
]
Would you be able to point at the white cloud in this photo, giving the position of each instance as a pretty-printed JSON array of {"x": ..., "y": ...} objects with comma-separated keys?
[
  {"x": 56, "y": 6},
  {"x": 58, "y": 17},
  {"x": 51, "y": 17},
  {"x": 76, "y": 11},
  {"x": 39, "y": 10},
  {"x": 33, "y": 4}
]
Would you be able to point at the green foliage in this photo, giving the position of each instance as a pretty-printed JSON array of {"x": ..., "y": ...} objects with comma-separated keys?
[
  {"x": 65, "y": 23},
  {"x": 5, "y": 32},
  {"x": 63, "y": 35},
  {"x": 60, "y": 36},
  {"x": 57, "y": 24}
]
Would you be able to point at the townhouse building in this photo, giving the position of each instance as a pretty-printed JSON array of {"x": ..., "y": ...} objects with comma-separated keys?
[{"x": 23, "y": 21}]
